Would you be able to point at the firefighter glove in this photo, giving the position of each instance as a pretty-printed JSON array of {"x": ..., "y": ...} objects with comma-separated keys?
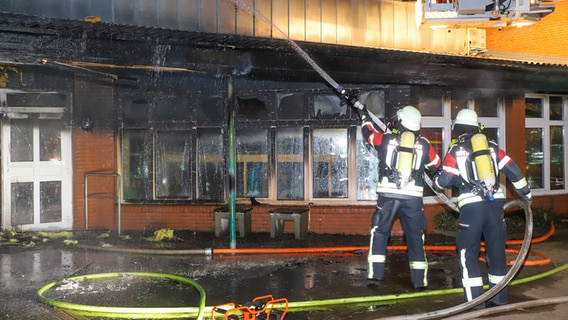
[
  {"x": 363, "y": 114},
  {"x": 350, "y": 97},
  {"x": 435, "y": 182},
  {"x": 525, "y": 192}
]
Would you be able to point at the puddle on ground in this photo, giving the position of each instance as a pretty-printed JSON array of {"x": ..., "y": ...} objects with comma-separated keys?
[{"x": 225, "y": 279}]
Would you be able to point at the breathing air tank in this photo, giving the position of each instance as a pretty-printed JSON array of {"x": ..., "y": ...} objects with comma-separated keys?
[
  {"x": 405, "y": 156},
  {"x": 483, "y": 164}
]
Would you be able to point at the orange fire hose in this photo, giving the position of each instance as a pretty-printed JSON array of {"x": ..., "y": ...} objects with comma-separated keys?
[{"x": 349, "y": 250}]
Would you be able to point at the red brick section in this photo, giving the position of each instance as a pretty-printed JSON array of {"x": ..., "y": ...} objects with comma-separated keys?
[
  {"x": 515, "y": 138},
  {"x": 201, "y": 218},
  {"x": 94, "y": 151},
  {"x": 548, "y": 37}
]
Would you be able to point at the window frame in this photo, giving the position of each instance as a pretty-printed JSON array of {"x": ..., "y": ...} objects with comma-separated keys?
[
  {"x": 348, "y": 121},
  {"x": 545, "y": 124},
  {"x": 445, "y": 123}
]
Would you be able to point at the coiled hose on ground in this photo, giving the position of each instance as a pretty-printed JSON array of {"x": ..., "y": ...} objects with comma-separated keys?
[
  {"x": 495, "y": 289},
  {"x": 128, "y": 312}
]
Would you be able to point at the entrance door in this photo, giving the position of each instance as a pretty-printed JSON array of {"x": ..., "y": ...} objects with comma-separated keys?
[{"x": 36, "y": 170}]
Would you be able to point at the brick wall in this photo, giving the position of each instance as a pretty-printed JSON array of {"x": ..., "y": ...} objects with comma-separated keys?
[
  {"x": 94, "y": 151},
  {"x": 323, "y": 219},
  {"x": 201, "y": 218},
  {"x": 548, "y": 37}
]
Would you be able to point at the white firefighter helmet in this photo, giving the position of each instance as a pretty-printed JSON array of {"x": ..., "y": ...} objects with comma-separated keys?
[
  {"x": 467, "y": 117},
  {"x": 410, "y": 118}
]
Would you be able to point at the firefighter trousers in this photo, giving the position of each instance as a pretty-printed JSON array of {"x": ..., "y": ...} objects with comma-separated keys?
[
  {"x": 482, "y": 221},
  {"x": 411, "y": 213}
]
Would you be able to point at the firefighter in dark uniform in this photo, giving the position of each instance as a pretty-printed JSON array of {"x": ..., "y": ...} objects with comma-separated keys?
[
  {"x": 473, "y": 164},
  {"x": 403, "y": 155}
]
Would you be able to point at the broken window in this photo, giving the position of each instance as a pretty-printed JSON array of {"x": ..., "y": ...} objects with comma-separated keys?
[
  {"x": 329, "y": 152},
  {"x": 252, "y": 108},
  {"x": 252, "y": 163},
  {"x": 290, "y": 106},
  {"x": 367, "y": 169},
  {"x": 173, "y": 156},
  {"x": 328, "y": 106},
  {"x": 137, "y": 164},
  {"x": 210, "y": 165},
  {"x": 290, "y": 163}
]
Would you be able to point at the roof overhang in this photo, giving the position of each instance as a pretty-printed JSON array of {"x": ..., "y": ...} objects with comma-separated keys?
[{"x": 109, "y": 49}]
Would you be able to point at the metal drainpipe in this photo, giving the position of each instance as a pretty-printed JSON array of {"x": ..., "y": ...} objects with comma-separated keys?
[{"x": 232, "y": 177}]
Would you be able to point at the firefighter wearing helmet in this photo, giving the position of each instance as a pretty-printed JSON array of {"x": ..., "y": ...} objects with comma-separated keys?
[
  {"x": 472, "y": 164},
  {"x": 403, "y": 155}
]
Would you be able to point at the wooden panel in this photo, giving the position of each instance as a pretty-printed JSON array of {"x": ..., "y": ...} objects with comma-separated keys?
[
  {"x": 122, "y": 12},
  {"x": 188, "y": 18},
  {"x": 373, "y": 26},
  {"x": 414, "y": 33},
  {"x": 29, "y": 7},
  {"x": 225, "y": 17},
  {"x": 280, "y": 19},
  {"x": 297, "y": 22},
  {"x": 329, "y": 25},
  {"x": 313, "y": 20},
  {"x": 359, "y": 22},
  {"x": 262, "y": 21},
  {"x": 208, "y": 16},
  {"x": 245, "y": 18},
  {"x": 145, "y": 13},
  {"x": 387, "y": 23},
  {"x": 54, "y": 8},
  {"x": 344, "y": 28},
  {"x": 167, "y": 14},
  {"x": 401, "y": 26}
]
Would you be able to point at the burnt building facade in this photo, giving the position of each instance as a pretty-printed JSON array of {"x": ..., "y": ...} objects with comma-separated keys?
[{"x": 120, "y": 114}]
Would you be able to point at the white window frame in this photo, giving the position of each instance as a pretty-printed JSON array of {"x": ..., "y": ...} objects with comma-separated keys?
[
  {"x": 445, "y": 122},
  {"x": 545, "y": 123}
]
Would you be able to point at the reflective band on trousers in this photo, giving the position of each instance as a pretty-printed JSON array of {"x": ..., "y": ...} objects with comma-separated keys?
[
  {"x": 472, "y": 282},
  {"x": 418, "y": 265},
  {"x": 494, "y": 279},
  {"x": 468, "y": 282},
  {"x": 377, "y": 258}
]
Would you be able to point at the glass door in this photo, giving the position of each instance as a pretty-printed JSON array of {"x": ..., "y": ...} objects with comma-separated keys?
[{"x": 36, "y": 168}]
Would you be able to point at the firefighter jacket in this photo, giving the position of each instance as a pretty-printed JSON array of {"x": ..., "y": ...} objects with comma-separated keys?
[
  {"x": 388, "y": 146},
  {"x": 459, "y": 170}
]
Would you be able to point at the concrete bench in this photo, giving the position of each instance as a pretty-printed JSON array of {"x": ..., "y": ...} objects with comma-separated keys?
[
  {"x": 242, "y": 215},
  {"x": 300, "y": 217}
]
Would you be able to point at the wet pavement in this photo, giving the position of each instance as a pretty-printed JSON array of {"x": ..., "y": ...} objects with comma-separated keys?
[{"x": 299, "y": 277}]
